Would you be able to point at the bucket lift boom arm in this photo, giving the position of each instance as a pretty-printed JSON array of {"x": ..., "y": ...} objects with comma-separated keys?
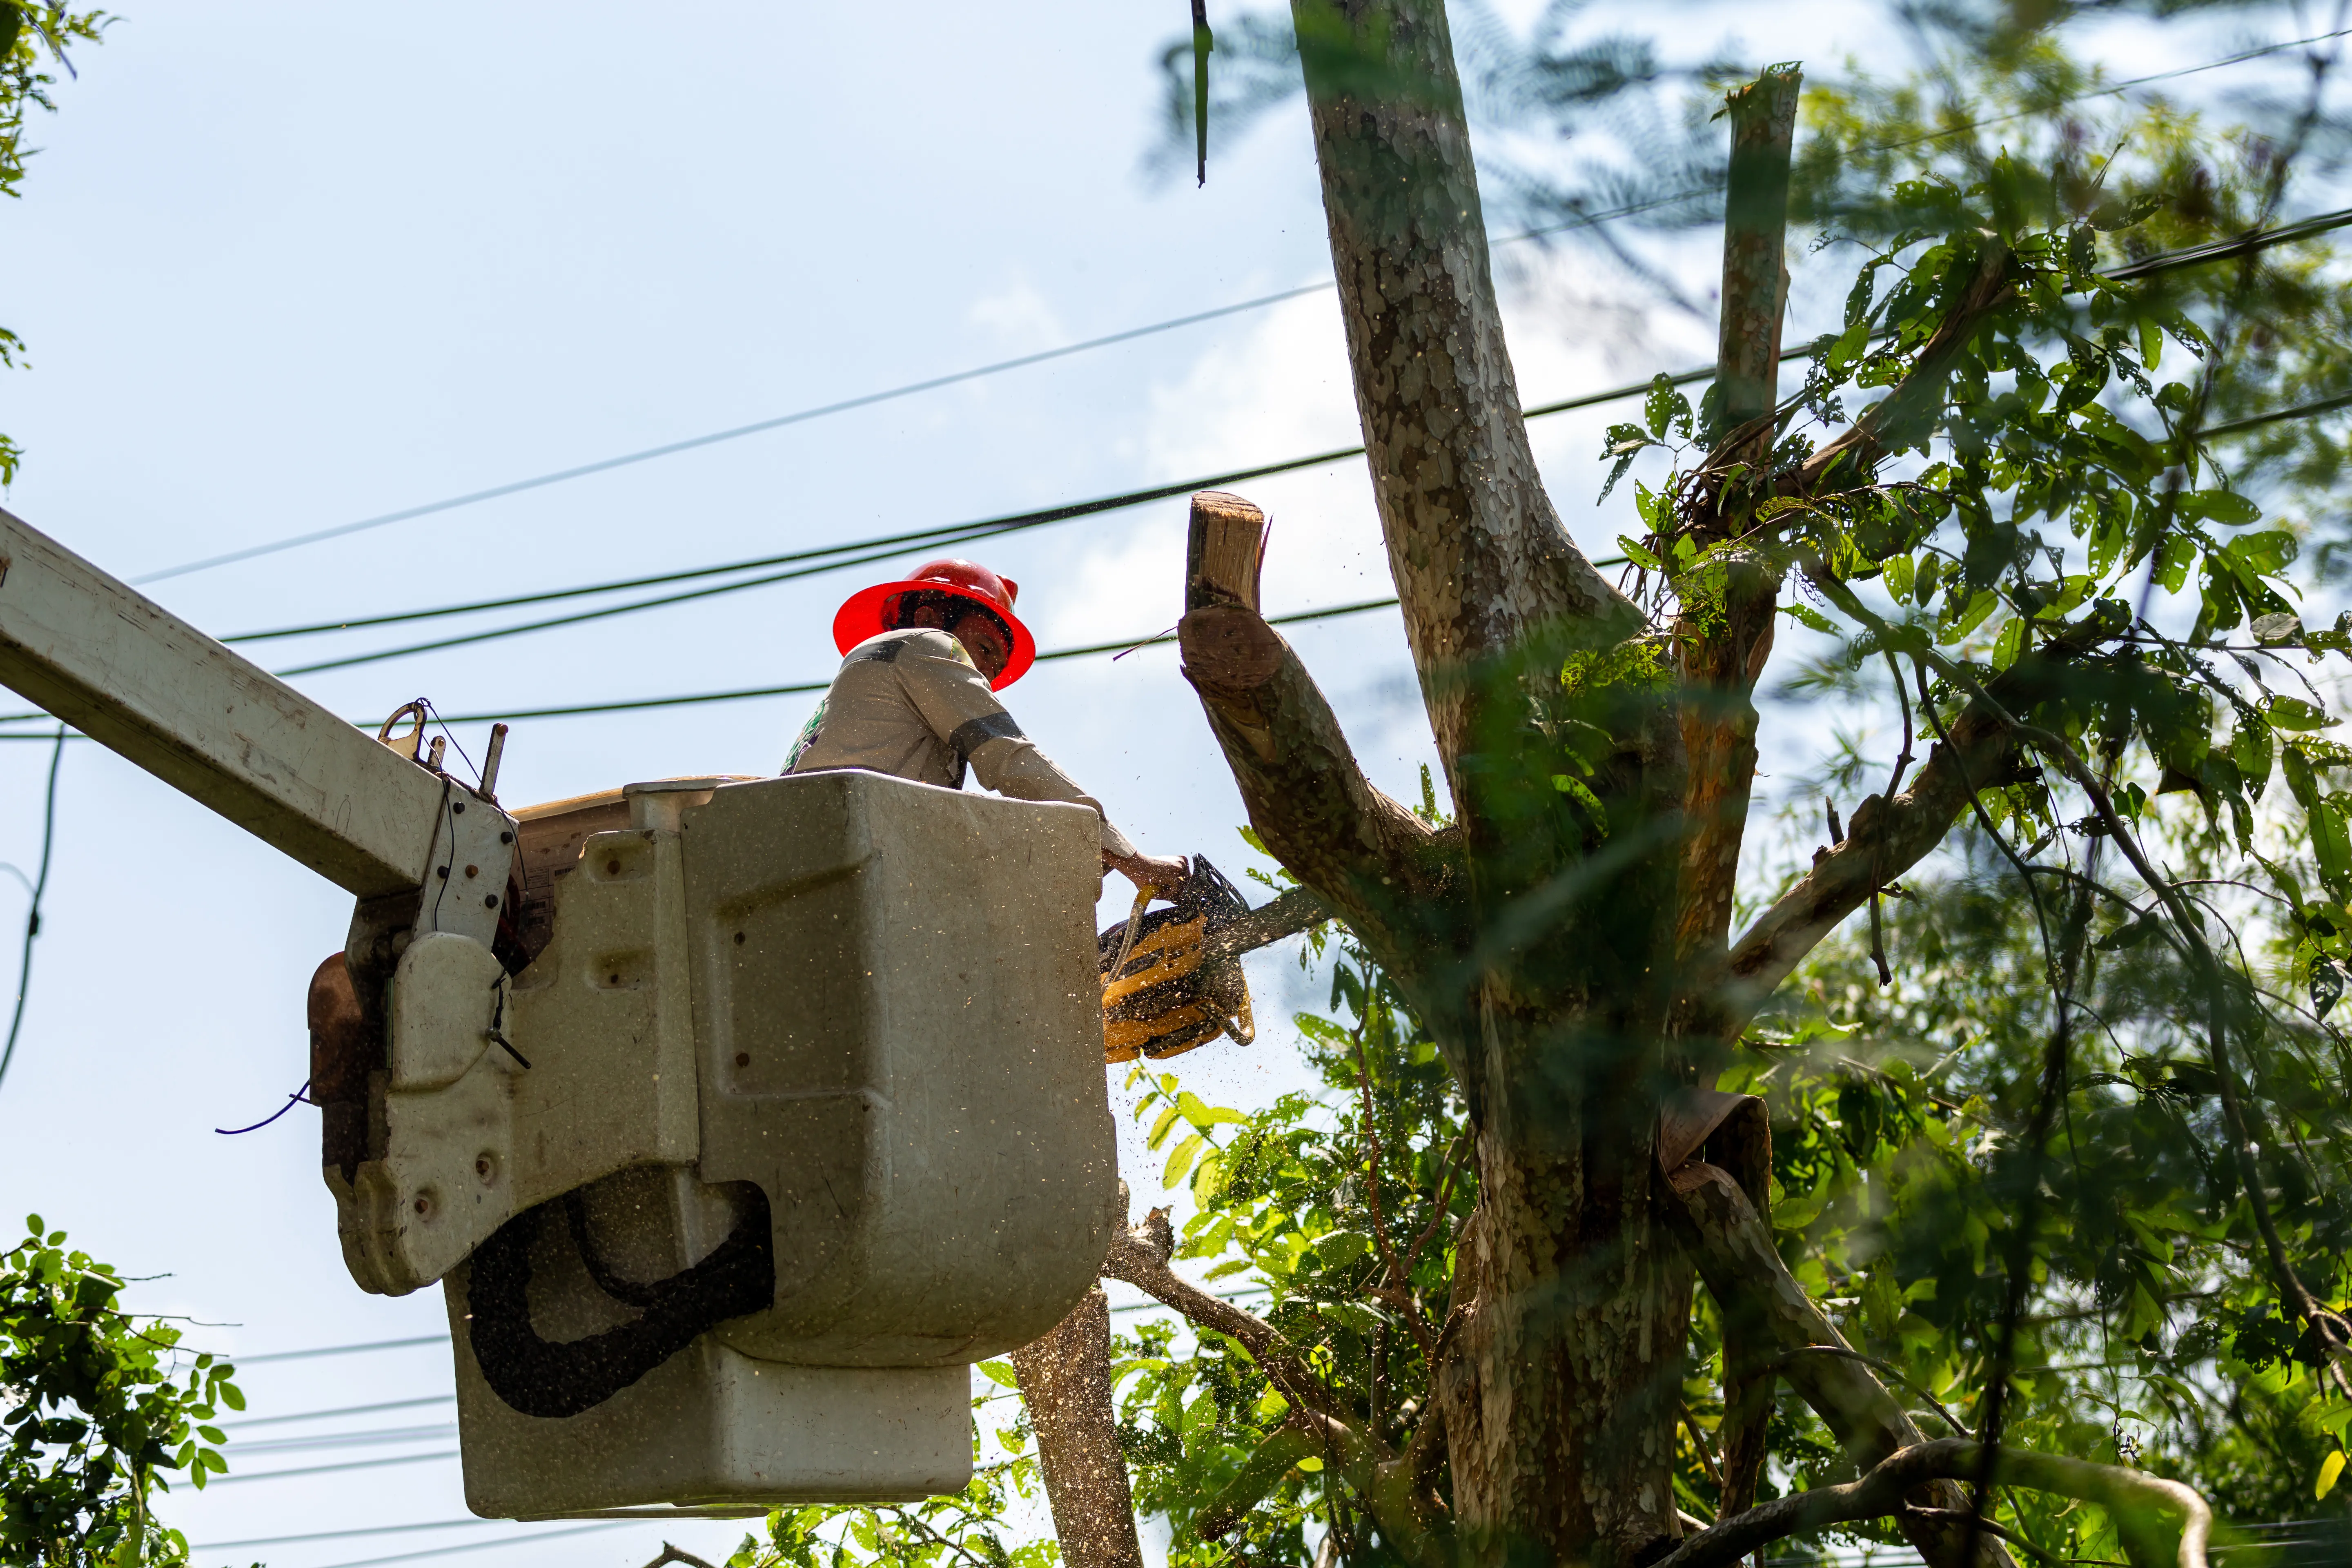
[{"x": 138, "y": 680}]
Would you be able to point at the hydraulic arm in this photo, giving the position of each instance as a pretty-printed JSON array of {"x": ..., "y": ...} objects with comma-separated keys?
[{"x": 142, "y": 682}]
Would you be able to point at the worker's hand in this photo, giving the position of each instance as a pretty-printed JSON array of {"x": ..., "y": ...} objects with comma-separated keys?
[{"x": 1165, "y": 873}]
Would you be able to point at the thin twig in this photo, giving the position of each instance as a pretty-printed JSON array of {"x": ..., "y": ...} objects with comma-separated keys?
[
  {"x": 1400, "y": 1285},
  {"x": 672, "y": 1554},
  {"x": 1705, "y": 1454},
  {"x": 1894, "y": 788},
  {"x": 1444, "y": 1198}
]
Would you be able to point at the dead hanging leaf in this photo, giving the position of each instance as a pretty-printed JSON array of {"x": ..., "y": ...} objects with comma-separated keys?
[{"x": 2279, "y": 630}]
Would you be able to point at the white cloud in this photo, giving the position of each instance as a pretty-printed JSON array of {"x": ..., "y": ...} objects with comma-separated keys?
[{"x": 1020, "y": 317}]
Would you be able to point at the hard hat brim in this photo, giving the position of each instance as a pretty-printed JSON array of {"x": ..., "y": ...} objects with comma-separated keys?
[{"x": 860, "y": 617}]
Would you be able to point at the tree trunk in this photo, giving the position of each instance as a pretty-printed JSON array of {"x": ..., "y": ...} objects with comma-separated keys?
[
  {"x": 1565, "y": 939},
  {"x": 1065, "y": 1384},
  {"x": 1550, "y": 985}
]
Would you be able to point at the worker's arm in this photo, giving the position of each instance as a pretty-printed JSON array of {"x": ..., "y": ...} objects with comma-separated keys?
[{"x": 955, "y": 702}]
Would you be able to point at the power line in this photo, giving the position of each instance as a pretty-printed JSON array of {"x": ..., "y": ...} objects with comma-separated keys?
[
  {"x": 1128, "y": 335},
  {"x": 2300, "y": 411},
  {"x": 33, "y": 912},
  {"x": 734, "y": 433},
  {"x": 241, "y": 1421},
  {"x": 440, "y": 1432},
  {"x": 886, "y": 546},
  {"x": 346, "y": 1534},
  {"x": 339, "y": 1350},
  {"x": 801, "y": 688},
  {"x": 948, "y": 533},
  {"x": 988, "y": 529},
  {"x": 1017, "y": 522},
  {"x": 739, "y": 695},
  {"x": 233, "y": 1479},
  {"x": 486, "y": 1545}
]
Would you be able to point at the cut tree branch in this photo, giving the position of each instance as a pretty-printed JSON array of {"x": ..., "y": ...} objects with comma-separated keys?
[
  {"x": 1882, "y": 841},
  {"x": 1369, "y": 860},
  {"x": 1396, "y": 1489},
  {"x": 2147, "y": 1508},
  {"x": 1722, "y": 644},
  {"x": 1745, "y": 1273},
  {"x": 1138, "y": 1254}
]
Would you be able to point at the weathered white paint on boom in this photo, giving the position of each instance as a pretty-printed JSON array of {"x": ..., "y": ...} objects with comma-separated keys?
[{"x": 141, "y": 681}]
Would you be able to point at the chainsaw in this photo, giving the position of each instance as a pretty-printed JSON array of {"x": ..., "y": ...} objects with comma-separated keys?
[{"x": 1169, "y": 985}]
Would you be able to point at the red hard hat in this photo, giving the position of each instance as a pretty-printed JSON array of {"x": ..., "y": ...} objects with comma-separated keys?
[{"x": 870, "y": 612}]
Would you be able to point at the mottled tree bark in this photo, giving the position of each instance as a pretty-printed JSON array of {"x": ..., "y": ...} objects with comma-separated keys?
[
  {"x": 1721, "y": 643},
  {"x": 1065, "y": 1384},
  {"x": 1565, "y": 941}
]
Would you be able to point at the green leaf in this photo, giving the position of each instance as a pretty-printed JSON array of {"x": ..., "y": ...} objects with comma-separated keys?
[
  {"x": 1898, "y": 573},
  {"x": 2330, "y": 1469},
  {"x": 1931, "y": 570},
  {"x": 1970, "y": 616},
  {"x": 1182, "y": 1160},
  {"x": 998, "y": 1372},
  {"x": 2009, "y": 643},
  {"x": 2171, "y": 568},
  {"x": 1578, "y": 791},
  {"x": 1805, "y": 615},
  {"x": 1342, "y": 1247},
  {"x": 2294, "y": 713},
  {"x": 1638, "y": 555},
  {"x": 1665, "y": 408},
  {"x": 2271, "y": 551},
  {"x": 1797, "y": 1213},
  {"x": 2326, "y": 985},
  {"x": 2228, "y": 508},
  {"x": 1202, "y": 1115}
]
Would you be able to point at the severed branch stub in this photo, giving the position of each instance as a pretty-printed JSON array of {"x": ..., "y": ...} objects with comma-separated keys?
[{"x": 1365, "y": 857}]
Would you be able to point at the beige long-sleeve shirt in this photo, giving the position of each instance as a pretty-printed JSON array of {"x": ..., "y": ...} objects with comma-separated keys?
[{"x": 911, "y": 704}]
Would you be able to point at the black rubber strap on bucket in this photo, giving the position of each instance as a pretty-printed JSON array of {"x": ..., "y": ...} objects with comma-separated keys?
[{"x": 556, "y": 1378}]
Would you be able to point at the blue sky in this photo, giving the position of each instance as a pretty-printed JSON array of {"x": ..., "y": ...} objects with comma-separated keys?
[{"x": 282, "y": 266}]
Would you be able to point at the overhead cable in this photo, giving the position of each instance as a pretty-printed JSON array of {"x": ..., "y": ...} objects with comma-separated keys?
[
  {"x": 317, "y": 1351},
  {"x": 987, "y": 530},
  {"x": 488, "y": 1545},
  {"x": 866, "y": 400},
  {"x": 239, "y": 1422},
  {"x": 39, "y": 887},
  {"x": 469, "y": 1524},
  {"x": 235, "y": 1476},
  {"x": 836, "y": 558},
  {"x": 801, "y": 688},
  {"x": 734, "y": 433},
  {"x": 1014, "y": 522},
  {"x": 737, "y": 695},
  {"x": 441, "y": 1432}
]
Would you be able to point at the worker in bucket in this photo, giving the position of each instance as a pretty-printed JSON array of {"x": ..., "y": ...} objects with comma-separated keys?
[{"x": 914, "y": 699}]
